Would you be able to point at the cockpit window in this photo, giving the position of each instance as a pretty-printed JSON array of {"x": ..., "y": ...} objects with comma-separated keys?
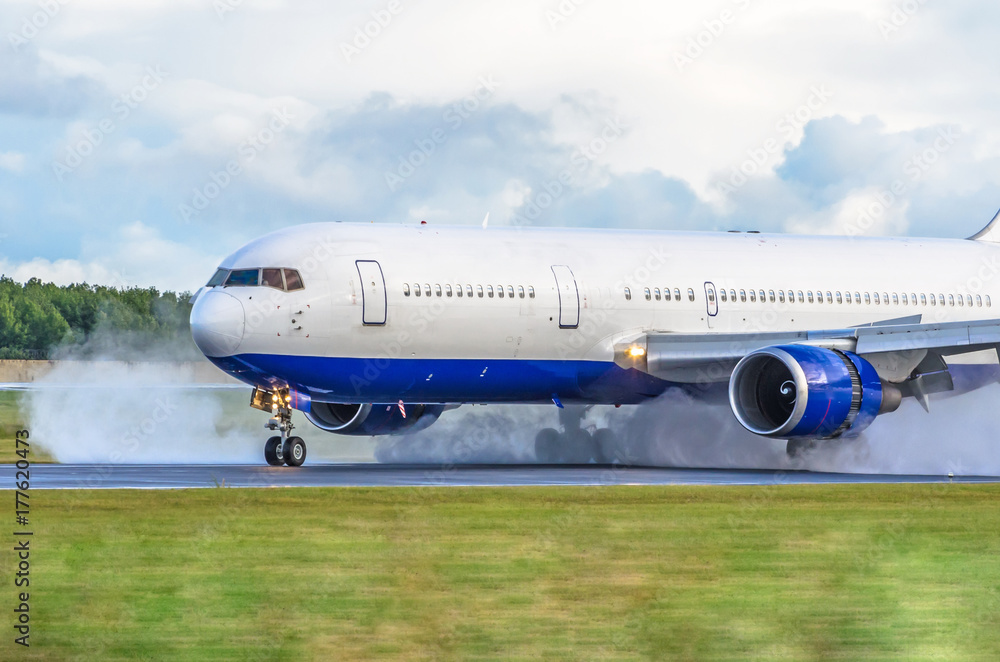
[
  {"x": 292, "y": 280},
  {"x": 243, "y": 278},
  {"x": 271, "y": 278},
  {"x": 218, "y": 278}
]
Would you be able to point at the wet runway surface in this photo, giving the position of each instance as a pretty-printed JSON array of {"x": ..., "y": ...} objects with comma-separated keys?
[{"x": 98, "y": 476}]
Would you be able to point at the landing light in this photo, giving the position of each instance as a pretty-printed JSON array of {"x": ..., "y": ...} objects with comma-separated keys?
[{"x": 636, "y": 351}]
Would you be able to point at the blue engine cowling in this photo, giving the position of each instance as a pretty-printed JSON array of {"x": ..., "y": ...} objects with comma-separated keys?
[
  {"x": 799, "y": 391},
  {"x": 370, "y": 420}
]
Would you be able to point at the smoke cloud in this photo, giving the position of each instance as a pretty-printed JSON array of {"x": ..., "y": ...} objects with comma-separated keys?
[{"x": 958, "y": 435}]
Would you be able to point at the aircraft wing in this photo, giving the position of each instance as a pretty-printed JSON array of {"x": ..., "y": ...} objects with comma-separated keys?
[{"x": 702, "y": 358}]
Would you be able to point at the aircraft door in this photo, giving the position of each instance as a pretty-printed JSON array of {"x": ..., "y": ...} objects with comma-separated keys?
[
  {"x": 373, "y": 302},
  {"x": 711, "y": 303},
  {"x": 569, "y": 297}
]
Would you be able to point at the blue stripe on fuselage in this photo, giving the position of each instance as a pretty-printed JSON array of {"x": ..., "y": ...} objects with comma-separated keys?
[{"x": 353, "y": 380}]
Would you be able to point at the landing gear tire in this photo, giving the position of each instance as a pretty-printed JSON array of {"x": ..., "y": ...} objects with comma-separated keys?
[
  {"x": 547, "y": 443},
  {"x": 578, "y": 447},
  {"x": 294, "y": 451},
  {"x": 272, "y": 452},
  {"x": 796, "y": 448},
  {"x": 606, "y": 444}
]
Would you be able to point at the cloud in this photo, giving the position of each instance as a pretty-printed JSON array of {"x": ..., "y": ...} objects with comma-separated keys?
[
  {"x": 134, "y": 255},
  {"x": 12, "y": 161}
]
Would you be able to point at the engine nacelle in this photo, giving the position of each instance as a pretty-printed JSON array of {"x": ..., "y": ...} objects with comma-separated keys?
[
  {"x": 370, "y": 420},
  {"x": 800, "y": 391}
]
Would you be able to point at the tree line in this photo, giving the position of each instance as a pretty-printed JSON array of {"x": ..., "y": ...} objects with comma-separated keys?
[{"x": 42, "y": 320}]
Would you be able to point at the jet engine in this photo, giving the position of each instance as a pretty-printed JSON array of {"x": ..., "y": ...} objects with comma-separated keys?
[
  {"x": 801, "y": 391},
  {"x": 373, "y": 419}
]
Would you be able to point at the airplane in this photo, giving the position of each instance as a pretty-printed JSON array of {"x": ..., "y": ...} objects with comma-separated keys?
[{"x": 377, "y": 329}]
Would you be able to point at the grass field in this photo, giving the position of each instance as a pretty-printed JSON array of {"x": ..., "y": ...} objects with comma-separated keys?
[
  {"x": 792, "y": 572},
  {"x": 11, "y": 420}
]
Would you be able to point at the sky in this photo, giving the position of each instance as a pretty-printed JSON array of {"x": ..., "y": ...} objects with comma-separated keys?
[{"x": 143, "y": 141}]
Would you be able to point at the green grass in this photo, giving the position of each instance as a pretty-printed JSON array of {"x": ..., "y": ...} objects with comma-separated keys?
[
  {"x": 795, "y": 572},
  {"x": 13, "y": 419}
]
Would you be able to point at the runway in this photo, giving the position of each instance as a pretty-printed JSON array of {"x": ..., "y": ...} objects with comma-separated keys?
[{"x": 140, "y": 476}]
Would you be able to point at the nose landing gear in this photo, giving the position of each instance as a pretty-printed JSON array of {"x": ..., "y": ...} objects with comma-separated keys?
[{"x": 281, "y": 449}]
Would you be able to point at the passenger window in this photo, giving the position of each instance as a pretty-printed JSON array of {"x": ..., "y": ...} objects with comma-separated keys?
[
  {"x": 531, "y": 292},
  {"x": 829, "y": 297},
  {"x": 437, "y": 289},
  {"x": 809, "y": 295},
  {"x": 923, "y": 299},
  {"x": 677, "y": 293},
  {"x": 895, "y": 298},
  {"x": 781, "y": 296},
  {"x": 468, "y": 291},
  {"x": 649, "y": 296},
  {"x": 292, "y": 280},
  {"x": 427, "y": 289},
  {"x": 722, "y": 296},
  {"x": 218, "y": 278},
  {"x": 406, "y": 289},
  {"x": 416, "y": 289},
  {"x": 458, "y": 291},
  {"x": 243, "y": 278},
  {"x": 961, "y": 300},
  {"x": 489, "y": 291},
  {"x": 500, "y": 291},
  {"x": 666, "y": 294},
  {"x": 802, "y": 297},
  {"x": 753, "y": 297},
  {"x": 711, "y": 295},
  {"x": 628, "y": 294},
  {"x": 770, "y": 296},
  {"x": 839, "y": 299},
  {"x": 479, "y": 291},
  {"x": 968, "y": 300},
  {"x": 690, "y": 294},
  {"x": 520, "y": 291},
  {"x": 878, "y": 301},
  {"x": 447, "y": 290},
  {"x": 656, "y": 294},
  {"x": 868, "y": 298},
  {"x": 988, "y": 302},
  {"x": 271, "y": 278},
  {"x": 762, "y": 296},
  {"x": 510, "y": 291},
  {"x": 940, "y": 299},
  {"x": 951, "y": 299},
  {"x": 979, "y": 301},
  {"x": 732, "y": 295}
]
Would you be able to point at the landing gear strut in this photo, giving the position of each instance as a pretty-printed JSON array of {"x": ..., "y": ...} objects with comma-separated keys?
[
  {"x": 282, "y": 449},
  {"x": 575, "y": 445}
]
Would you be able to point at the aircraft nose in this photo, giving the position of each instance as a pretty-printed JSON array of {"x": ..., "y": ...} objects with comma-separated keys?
[{"x": 217, "y": 323}]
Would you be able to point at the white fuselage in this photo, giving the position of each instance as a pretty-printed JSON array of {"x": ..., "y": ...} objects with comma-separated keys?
[{"x": 611, "y": 286}]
